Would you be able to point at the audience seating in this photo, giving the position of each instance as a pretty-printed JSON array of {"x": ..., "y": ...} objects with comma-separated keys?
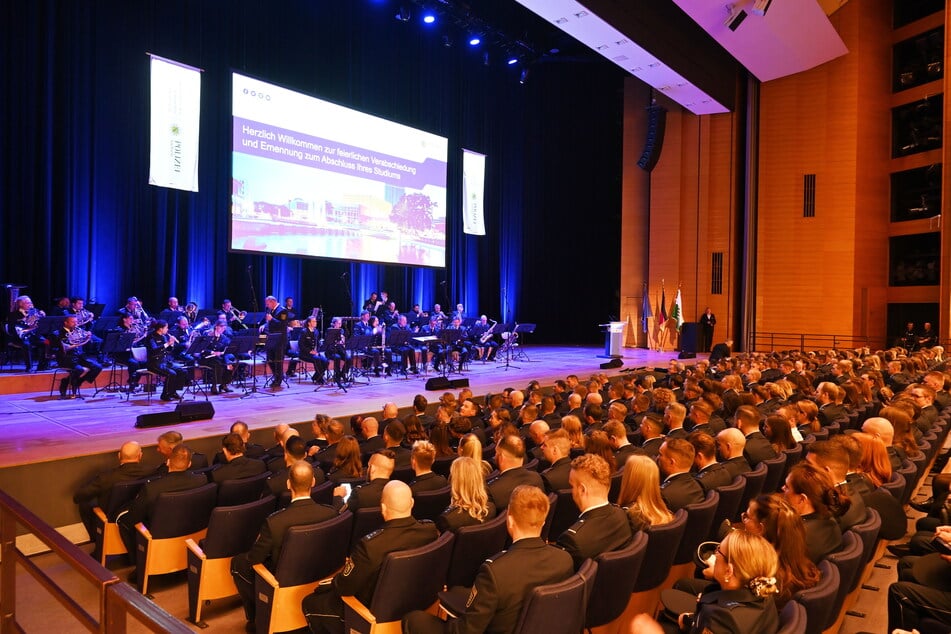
[
  {"x": 614, "y": 583},
  {"x": 406, "y": 475},
  {"x": 231, "y": 531},
  {"x": 393, "y": 596},
  {"x": 775, "y": 472},
  {"x": 820, "y": 600},
  {"x": 443, "y": 465},
  {"x": 910, "y": 472},
  {"x": 566, "y": 513},
  {"x": 754, "y": 486},
  {"x": 792, "y": 618},
  {"x": 176, "y": 517},
  {"x": 552, "y": 507},
  {"x": 615, "y": 491},
  {"x": 662, "y": 544},
  {"x": 896, "y": 486},
  {"x": 699, "y": 520},
  {"x": 107, "y": 536},
  {"x": 793, "y": 456},
  {"x": 309, "y": 554},
  {"x": 728, "y": 507},
  {"x": 849, "y": 562},
  {"x": 236, "y": 492},
  {"x": 559, "y": 607},
  {"x": 428, "y": 505},
  {"x": 473, "y": 545},
  {"x": 365, "y": 521}
]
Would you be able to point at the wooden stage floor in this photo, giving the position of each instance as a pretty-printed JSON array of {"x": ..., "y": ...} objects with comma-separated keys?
[{"x": 35, "y": 427}]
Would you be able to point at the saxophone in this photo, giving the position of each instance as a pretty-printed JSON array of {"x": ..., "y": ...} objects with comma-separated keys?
[{"x": 488, "y": 334}]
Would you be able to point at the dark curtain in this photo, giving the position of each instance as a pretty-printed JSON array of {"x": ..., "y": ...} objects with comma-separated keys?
[{"x": 78, "y": 218}]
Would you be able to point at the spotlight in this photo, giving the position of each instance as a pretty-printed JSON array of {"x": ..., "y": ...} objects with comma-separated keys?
[
  {"x": 403, "y": 15},
  {"x": 475, "y": 40},
  {"x": 511, "y": 61},
  {"x": 429, "y": 17}
]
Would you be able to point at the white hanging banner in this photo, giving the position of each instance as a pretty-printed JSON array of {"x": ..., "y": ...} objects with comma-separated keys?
[
  {"x": 176, "y": 109},
  {"x": 473, "y": 192}
]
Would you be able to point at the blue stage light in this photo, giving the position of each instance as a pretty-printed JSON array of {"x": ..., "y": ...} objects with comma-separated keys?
[
  {"x": 475, "y": 40},
  {"x": 429, "y": 18}
]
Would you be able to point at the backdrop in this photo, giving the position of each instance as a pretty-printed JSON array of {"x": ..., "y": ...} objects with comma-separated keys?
[{"x": 78, "y": 218}]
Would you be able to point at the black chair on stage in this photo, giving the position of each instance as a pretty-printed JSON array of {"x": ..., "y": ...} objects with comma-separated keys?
[
  {"x": 393, "y": 597},
  {"x": 820, "y": 599},
  {"x": 614, "y": 583},
  {"x": 473, "y": 545},
  {"x": 309, "y": 554},
  {"x": 231, "y": 531}
]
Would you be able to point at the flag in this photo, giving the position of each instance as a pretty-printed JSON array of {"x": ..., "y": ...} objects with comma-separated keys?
[
  {"x": 677, "y": 311},
  {"x": 663, "y": 307},
  {"x": 646, "y": 310}
]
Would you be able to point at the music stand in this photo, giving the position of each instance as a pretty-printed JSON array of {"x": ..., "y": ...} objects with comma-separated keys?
[
  {"x": 508, "y": 344},
  {"x": 523, "y": 329},
  {"x": 113, "y": 343},
  {"x": 400, "y": 339},
  {"x": 448, "y": 338},
  {"x": 245, "y": 345},
  {"x": 356, "y": 345}
]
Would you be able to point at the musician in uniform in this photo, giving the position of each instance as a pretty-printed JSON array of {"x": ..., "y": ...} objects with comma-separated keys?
[
  {"x": 275, "y": 325},
  {"x": 221, "y": 363},
  {"x": 68, "y": 342},
  {"x": 191, "y": 312},
  {"x": 462, "y": 347},
  {"x": 157, "y": 343},
  {"x": 434, "y": 348},
  {"x": 482, "y": 340},
  {"x": 86, "y": 319},
  {"x": 182, "y": 330},
  {"x": 334, "y": 352},
  {"x": 406, "y": 351},
  {"x": 125, "y": 356},
  {"x": 22, "y": 323},
  {"x": 307, "y": 351}
]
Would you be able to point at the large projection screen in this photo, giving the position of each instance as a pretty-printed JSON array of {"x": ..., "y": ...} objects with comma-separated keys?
[{"x": 312, "y": 178}]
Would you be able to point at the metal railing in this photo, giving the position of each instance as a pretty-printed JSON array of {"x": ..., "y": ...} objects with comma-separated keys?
[
  {"x": 770, "y": 341},
  {"x": 117, "y": 600}
]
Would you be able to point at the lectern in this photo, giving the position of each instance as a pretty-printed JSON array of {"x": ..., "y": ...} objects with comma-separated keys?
[{"x": 613, "y": 338}]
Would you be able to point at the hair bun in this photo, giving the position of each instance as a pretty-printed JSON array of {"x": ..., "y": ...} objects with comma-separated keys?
[{"x": 763, "y": 586}]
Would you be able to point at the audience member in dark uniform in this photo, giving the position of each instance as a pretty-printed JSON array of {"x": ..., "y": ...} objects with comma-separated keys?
[
  {"x": 757, "y": 447},
  {"x": 69, "y": 354},
  {"x": 503, "y": 582},
  {"x": 557, "y": 450},
  {"x": 601, "y": 526},
  {"x": 301, "y": 511},
  {"x": 97, "y": 491},
  {"x": 617, "y": 435},
  {"x": 157, "y": 343},
  {"x": 469, "y": 502},
  {"x": 238, "y": 466},
  {"x": 652, "y": 428},
  {"x": 167, "y": 442},
  {"x": 721, "y": 351},
  {"x": 679, "y": 488},
  {"x": 731, "y": 442},
  {"x": 324, "y": 608},
  {"x": 179, "y": 478},
  {"x": 709, "y": 473},
  {"x": 368, "y": 495},
  {"x": 509, "y": 457},
  {"x": 829, "y": 410},
  {"x": 819, "y": 502},
  {"x": 922, "y": 589},
  {"x": 393, "y": 434},
  {"x": 251, "y": 450},
  {"x": 275, "y": 325},
  {"x": 422, "y": 459},
  {"x": 295, "y": 450}
]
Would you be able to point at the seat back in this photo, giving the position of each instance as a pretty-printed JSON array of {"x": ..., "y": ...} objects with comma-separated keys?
[
  {"x": 312, "y": 551},
  {"x": 566, "y": 513},
  {"x": 552, "y": 507},
  {"x": 233, "y": 529},
  {"x": 442, "y": 465},
  {"x": 558, "y": 607},
  {"x": 729, "y": 506},
  {"x": 792, "y": 618},
  {"x": 910, "y": 472},
  {"x": 182, "y": 512},
  {"x": 849, "y": 562},
  {"x": 406, "y": 475},
  {"x": 614, "y": 583},
  {"x": 323, "y": 493},
  {"x": 896, "y": 486},
  {"x": 426, "y": 565},
  {"x": 428, "y": 505},
  {"x": 235, "y": 492},
  {"x": 121, "y": 496},
  {"x": 775, "y": 468},
  {"x": 820, "y": 599},
  {"x": 365, "y": 521},
  {"x": 615, "y": 489},
  {"x": 867, "y": 532},
  {"x": 699, "y": 521},
  {"x": 473, "y": 545},
  {"x": 754, "y": 486},
  {"x": 140, "y": 354},
  {"x": 793, "y": 456},
  {"x": 662, "y": 544}
]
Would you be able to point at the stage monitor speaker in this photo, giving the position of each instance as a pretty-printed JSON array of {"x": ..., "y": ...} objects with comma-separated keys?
[
  {"x": 438, "y": 383},
  {"x": 459, "y": 383},
  {"x": 158, "y": 419},
  {"x": 195, "y": 410},
  {"x": 613, "y": 363},
  {"x": 689, "y": 332},
  {"x": 656, "y": 123},
  {"x": 687, "y": 355}
]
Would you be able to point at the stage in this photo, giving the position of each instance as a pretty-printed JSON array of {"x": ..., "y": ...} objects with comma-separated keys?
[{"x": 48, "y": 447}]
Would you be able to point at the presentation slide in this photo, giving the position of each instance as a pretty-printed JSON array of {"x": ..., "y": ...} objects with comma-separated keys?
[{"x": 312, "y": 178}]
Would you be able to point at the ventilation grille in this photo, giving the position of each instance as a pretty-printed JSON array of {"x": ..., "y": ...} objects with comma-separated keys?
[
  {"x": 809, "y": 196},
  {"x": 716, "y": 285}
]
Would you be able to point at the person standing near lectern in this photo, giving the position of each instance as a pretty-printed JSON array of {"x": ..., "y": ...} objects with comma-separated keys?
[
  {"x": 707, "y": 321},
  {"x": 275, "y": 325}
]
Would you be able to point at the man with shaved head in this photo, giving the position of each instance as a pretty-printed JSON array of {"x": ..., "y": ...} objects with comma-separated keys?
[
  {"x": 324, "y": 608},
  {"x": 97, "y": 491},
  {"x": 882, "y": 428},
  {"x": 730, "y": 443}
]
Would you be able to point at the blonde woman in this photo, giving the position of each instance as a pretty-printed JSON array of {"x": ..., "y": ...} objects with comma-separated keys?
[
  {"x": 471, "y": 447},
  {"x": 640, "y": 493},
  {"x": 572, "y": 425},
  {"x": 470, "y": 502}
]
